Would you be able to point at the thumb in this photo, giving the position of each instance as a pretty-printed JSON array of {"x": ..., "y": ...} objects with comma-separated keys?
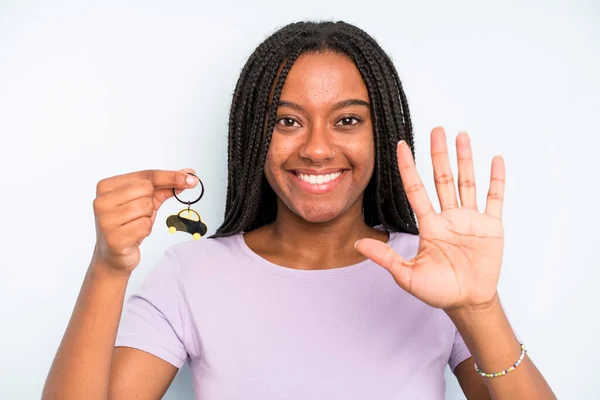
[
  {"x": 384, "y": 255},
  {"x": 163, "y": 194}
]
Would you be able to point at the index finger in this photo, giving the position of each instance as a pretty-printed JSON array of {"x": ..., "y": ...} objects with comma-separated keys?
[
  {"x": 159, "y": 178},
  {"x": 413, "y": 186}
]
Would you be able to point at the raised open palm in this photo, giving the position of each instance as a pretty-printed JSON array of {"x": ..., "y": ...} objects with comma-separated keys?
[{"x": 460, "y": 249}]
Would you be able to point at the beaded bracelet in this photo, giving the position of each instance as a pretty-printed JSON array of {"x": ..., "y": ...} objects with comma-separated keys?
[{"x": 506, "y": 371}]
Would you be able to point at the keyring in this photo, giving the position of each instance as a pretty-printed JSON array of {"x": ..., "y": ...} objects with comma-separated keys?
[
  {"x": 192, "y": 223},
  {"x": 189, "y": 203}
]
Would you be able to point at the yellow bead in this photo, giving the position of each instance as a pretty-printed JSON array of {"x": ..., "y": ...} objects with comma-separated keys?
[
  {"x": 196, "y": 236},
  {"x": 172, "y": 229}
]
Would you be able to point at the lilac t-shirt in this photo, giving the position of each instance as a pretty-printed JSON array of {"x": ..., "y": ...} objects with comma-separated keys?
[{"x": 250, "y": 329}]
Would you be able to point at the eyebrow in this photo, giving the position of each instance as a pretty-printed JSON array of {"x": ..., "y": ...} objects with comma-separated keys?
[{"x": 336, "y": 106}]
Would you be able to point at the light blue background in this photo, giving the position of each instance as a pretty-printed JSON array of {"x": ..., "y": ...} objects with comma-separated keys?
[{"x": 93, "y": 89}]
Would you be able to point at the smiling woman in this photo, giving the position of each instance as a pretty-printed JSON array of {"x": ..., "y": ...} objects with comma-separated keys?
[
  {"x": 318, "y": 284},
  {"x": 266, "y": 104}
]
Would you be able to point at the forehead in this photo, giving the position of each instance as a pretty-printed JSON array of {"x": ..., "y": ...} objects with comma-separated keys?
[{"x": 321, "y": 78}]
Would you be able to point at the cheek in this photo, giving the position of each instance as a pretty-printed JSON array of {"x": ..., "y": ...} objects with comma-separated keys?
[
  {"x": 269, "y": 167},
  {"x": 371, "y": 162},
  {"x": 279, "y": 152},
  {"x": 369, "y": 154},
  {"x": 273, "y": 163},
  {"x": 364, "y": 157}
]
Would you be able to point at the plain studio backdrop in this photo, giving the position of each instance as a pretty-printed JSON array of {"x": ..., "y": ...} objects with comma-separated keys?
[{"x": 90, "y": 90}]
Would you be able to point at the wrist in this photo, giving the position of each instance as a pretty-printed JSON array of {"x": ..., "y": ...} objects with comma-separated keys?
[
  {"x": 101, "y": 269},
  {"x": 475, "y": 311}
]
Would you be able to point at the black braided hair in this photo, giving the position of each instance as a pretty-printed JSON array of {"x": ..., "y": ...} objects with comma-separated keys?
[{"x": 251, "y": 202}]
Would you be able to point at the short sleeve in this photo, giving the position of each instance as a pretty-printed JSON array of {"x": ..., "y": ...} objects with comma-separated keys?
[
  {"x": 459, "y": 352},
  {"x": 154, "y": 318}
]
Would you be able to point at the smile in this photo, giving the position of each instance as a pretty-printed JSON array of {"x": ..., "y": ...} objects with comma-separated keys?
[
  {"x": 318, "y": 183},
  {"x": 319, "y": 179}
]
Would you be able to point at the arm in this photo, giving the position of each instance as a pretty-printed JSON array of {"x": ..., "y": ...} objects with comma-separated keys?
[
  {"x": 494, "y": 346},
  {"x": 85, "y": 366},
  {"x": 458, "y": 264},
  {"x": 139, "y": 375},
  {"x": 471, "y": 383}
]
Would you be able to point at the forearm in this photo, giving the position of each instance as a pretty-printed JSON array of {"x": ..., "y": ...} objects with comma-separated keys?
[
  {"x": 494, "y": 347},
  {"x": 81, "y": 368}
]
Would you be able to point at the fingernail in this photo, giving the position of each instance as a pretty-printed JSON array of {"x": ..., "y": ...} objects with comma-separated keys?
[
  {"x": 355, "y": 243},
  {"x": 190, "y": 180},
  {"x": 401, "y": 142}
]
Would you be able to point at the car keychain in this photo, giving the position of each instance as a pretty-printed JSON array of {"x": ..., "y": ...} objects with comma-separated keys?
[{"x": 188, "y": 220}]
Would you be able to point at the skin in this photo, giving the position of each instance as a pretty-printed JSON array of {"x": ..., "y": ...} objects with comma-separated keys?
[{"x": 456, "y": 269}]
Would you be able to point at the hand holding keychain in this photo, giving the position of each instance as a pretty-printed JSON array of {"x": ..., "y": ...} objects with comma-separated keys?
[{"x": 188, "y": 220}]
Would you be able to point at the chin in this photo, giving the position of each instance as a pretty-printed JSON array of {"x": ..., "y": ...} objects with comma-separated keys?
[{"x": 318, "y": 213}]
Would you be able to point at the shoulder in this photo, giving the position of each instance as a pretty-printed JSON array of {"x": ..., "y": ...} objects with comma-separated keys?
[
  {"x": 209, "y": 247},
  {"x": 204, "y": 253}
]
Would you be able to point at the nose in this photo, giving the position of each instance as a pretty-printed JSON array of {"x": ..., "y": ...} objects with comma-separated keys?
[{"x": 318, "y": 147}]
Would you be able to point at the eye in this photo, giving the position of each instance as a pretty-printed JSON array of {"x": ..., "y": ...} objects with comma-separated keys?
[
  {"x": 287, "y": 122},
  {"x": 348, "y": 120}
]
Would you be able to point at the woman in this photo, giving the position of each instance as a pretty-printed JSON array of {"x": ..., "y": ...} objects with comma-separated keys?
[{"x": 286, "y": 300}]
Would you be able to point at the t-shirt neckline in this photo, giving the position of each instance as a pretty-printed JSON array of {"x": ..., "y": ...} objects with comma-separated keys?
[{"x": 302, "y": 274}]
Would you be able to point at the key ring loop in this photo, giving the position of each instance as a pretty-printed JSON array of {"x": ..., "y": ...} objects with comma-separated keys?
[{"x": 189, "y": 203}]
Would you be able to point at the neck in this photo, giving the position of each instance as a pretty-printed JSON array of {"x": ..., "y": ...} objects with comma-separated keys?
[
  {"x": 336, "y": 233},
  {"x": 315, "y": 245}
]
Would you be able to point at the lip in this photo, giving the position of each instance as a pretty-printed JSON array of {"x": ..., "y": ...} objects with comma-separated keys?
[
  {"x": 324, "y": 171},
  {"x": 321, "y": 188}
]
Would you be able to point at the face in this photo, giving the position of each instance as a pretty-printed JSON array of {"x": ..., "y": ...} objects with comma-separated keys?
[{"x": 322, "y": 151}]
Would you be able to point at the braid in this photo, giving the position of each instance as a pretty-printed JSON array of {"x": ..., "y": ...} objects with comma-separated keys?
[
  {"x": 389, "y": 121},
  {"x": 379, "y": 119},
  {"x": 251, "y": 202},
  {"x": 401, "y": 118},
  {"x": 270, "y": 210},
  {"x": 244, "y": 101},
  {"x": 248, "y": 117}
]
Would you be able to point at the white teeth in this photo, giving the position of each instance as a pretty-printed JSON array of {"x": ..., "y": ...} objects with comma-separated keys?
[{"x": 319, "y": 179}]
